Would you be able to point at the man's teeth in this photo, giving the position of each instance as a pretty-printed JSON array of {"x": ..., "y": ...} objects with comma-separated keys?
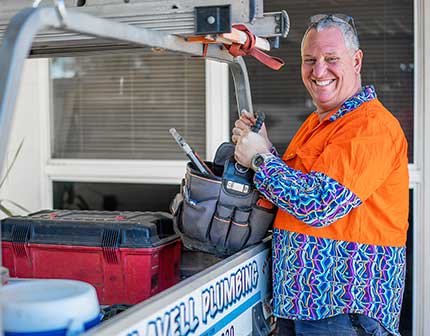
[{"x": 324, "y": 82}]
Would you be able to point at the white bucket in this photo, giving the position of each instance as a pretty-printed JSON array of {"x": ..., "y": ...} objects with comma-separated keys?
[{"x": 54, "y": 307}]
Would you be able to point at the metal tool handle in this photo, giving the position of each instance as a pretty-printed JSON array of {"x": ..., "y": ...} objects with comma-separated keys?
[{"x": 192, "y": 155}]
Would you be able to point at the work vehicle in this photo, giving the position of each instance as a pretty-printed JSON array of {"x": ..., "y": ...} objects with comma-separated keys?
[{"x": 230, "y": 296}]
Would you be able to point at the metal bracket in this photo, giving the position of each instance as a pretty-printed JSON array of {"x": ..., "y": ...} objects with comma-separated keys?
[
  {"x": 252, "y": 11},
  {"x": 273, "y": 24},
  {"x": 59, "y": 5},
  {"x": 282, "y": 27},
  {"x": 285, "y": 23},
  {"x": 212, "y": 20}
]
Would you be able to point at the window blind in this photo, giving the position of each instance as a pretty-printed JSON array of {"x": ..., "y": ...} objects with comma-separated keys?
[{"x": 121, "y": 106}]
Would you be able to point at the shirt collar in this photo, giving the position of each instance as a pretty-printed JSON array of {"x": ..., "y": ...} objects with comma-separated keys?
[{"x": 366, "y": 94}]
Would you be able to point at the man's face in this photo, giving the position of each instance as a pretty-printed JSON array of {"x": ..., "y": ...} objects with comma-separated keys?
[{"x": 329, "y": 71}]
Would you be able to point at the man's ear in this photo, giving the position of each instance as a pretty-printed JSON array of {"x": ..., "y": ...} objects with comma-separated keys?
[{"x": 358, "y": 59}]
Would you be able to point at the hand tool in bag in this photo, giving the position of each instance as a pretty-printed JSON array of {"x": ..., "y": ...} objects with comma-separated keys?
[
  {"x": 259, "y": 122},
  {"x": 262, "y": 202},
  {"x": 192, "y": 155},
  {"x": 256, "y": 128}
]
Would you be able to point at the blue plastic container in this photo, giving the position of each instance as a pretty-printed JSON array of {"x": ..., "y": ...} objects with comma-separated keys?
[{"x": 48, "y": 308}]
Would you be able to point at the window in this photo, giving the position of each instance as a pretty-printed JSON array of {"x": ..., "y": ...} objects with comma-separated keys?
[
  {"x": 122, "y": 106},
  {"x": 111, "y": 116}
]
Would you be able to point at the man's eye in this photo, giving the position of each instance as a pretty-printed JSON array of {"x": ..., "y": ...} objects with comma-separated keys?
[
  {"x": 332, "y": 59},
  {"x": 309, "y": 61}
]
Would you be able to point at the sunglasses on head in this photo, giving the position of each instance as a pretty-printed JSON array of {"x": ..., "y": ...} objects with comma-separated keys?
[{"x": 335, "y": 18}]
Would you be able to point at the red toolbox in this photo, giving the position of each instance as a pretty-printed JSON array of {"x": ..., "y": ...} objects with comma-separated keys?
[{"x": 126, "y": 256}]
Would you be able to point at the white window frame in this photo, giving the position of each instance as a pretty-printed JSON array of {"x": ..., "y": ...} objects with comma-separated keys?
[
  {"x": 420, "y": 170},
  {"x": 135, "y": 171}
]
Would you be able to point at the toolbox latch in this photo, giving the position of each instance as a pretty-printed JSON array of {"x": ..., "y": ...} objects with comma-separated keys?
[{"x": 110, "y": 244}]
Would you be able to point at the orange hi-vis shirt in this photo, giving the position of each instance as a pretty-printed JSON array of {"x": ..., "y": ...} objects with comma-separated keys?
[
  {"x": 340, "y": 231},
  {"x": 364, "y": 150}
]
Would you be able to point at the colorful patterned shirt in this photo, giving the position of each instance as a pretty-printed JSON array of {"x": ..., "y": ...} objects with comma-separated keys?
[{"x": 340, "y": 232}]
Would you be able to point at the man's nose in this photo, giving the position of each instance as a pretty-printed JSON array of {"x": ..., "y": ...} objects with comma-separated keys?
[{"x": 319, "y": 68}]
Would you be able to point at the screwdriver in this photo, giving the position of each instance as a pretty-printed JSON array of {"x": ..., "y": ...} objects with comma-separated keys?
[{"x": 192, "y": 155}]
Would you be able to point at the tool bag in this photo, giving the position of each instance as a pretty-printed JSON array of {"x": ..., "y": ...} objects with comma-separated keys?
[{"x": 223, "y": 213}]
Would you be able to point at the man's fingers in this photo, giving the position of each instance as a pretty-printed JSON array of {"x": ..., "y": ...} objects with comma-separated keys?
[
  {"x": 247, "y": 117},
  {"x": 236, "y": 132},
  {"x": 247, "y": 121},
  {"x": 246, "y": 114},
  {"x": 243, "y": 123}
]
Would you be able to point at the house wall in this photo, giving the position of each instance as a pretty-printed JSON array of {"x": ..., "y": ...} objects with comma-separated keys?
[{"x": 24, "y": 182}]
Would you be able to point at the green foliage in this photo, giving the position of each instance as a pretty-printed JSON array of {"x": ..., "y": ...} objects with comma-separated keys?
[{"x": 3, "y": 207}]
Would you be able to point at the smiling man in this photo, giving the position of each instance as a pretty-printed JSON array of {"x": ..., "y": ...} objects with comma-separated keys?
[
  {"x": 330, "y": 68},
  {"x": 341, "y": 189}
]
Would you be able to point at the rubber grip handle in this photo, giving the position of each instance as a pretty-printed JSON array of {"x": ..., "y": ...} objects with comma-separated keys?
[{"x": 259, "y": 122}]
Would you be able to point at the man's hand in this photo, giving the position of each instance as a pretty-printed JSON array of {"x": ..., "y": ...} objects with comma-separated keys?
[
  {"x": 249, "y": 144},
  {"x": 244, "y": 123}
]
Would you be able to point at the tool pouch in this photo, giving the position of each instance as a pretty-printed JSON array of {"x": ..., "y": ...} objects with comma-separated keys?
[{"x": 220, "y": 214}]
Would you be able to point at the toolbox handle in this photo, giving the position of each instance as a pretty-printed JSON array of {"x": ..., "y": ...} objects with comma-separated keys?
[
  {"x": 111, "y": 238},
  {"x": 21, "y": 233},
  {"x": 110, "y": 244},
  {"x": 20, "y": 236}
]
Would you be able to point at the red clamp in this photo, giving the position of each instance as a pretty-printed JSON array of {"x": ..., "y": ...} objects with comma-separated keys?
[{"x": 248, "y": 48}]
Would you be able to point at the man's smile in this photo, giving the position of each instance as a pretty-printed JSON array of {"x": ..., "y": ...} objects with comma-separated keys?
[{"x": 323, "y": 82}]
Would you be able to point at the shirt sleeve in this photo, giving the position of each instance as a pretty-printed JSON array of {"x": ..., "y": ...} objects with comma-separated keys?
[{"x": 314, "y": 198}]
